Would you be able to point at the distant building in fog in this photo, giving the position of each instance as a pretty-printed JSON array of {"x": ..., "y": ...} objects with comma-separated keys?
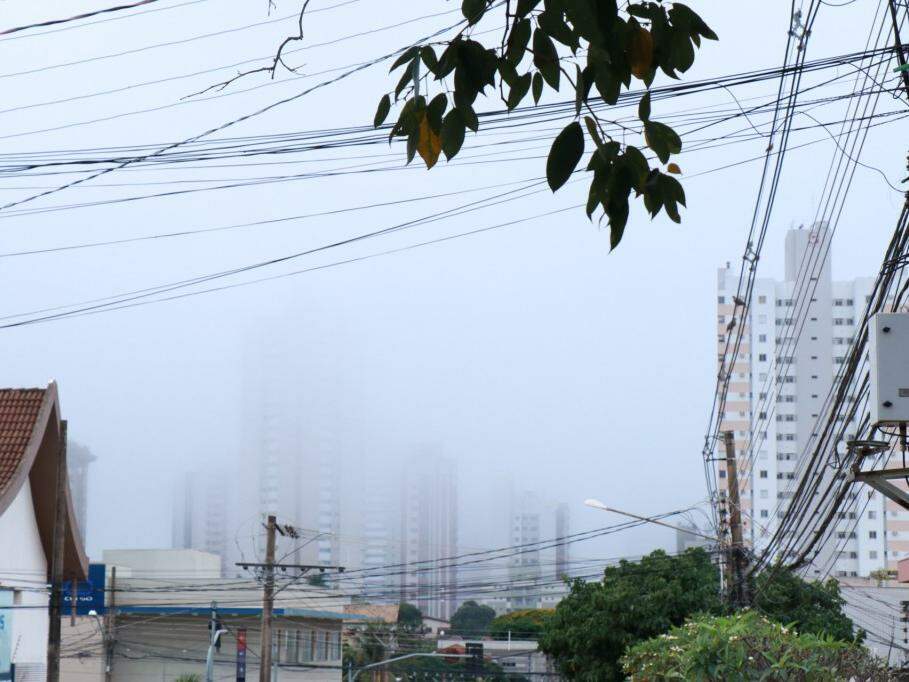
[
  {"x": 78, "y": 459},
  {"x": 540, "y": 559},
  {"x": 686, "y": 540},
  {"x": 429, "y": 532},
  {"x": 199, "y": 514}
]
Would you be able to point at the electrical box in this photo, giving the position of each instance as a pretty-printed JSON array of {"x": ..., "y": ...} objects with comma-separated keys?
[{"x": 888, "y": 345}]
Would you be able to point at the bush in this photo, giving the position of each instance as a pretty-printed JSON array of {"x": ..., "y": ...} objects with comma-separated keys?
[
  {"x": 748, "y": 646},
  {"x": 526, "y": 624}
]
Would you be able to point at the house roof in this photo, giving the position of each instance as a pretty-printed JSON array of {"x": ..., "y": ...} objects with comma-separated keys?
[
  {"x": 32, "y": 436},
  {"x": 19, "y": 411}
]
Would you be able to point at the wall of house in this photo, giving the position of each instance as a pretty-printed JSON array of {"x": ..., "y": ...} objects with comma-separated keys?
[
  {"x": 159, "y": 649},
  {"x": 23, "y": 569}
]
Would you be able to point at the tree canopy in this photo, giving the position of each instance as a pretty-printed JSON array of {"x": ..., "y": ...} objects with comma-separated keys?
[
  {"x": 594, "y": 625},
  {"x": 748, "y": 646},
  {"x": 813, "y": 607},
  {"x": 525, "y": 624},
  {"x": 472, "y": 619},
  {"x": 589, "y": 47},
  {"x": 410, "y": 618}
]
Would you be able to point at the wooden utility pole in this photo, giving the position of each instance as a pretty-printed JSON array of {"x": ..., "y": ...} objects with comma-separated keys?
[
  {"x": 55, "y": 610},
  {"x": 268, "y": 599},
  {"x": 738, "y": 588},
  {"x": 110, "y": 629},
  {"x": 73, "y": 601}
]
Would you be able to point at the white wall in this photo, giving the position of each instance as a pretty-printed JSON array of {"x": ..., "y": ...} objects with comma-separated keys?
[{"x": 23, "y": 568}]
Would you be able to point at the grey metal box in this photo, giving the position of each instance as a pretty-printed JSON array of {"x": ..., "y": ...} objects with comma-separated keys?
[{"x": 888, "y": 346}]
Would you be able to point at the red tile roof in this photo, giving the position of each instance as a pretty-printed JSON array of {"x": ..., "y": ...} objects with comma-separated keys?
[{"x": 19, "y": 410}]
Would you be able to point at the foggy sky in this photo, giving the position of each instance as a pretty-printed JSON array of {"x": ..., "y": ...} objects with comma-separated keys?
[{"x": 530, "y": 349}]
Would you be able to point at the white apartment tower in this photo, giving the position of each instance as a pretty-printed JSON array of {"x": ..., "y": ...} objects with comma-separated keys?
[
  {"x": 790, "y": 354},
  {"x": 429, "y": 535}
]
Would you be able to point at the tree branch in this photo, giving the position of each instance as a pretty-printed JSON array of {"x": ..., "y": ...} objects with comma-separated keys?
[{"x": 271, "y": 68}]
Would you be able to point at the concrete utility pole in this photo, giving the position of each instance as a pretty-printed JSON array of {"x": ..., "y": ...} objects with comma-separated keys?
[
  {"x": 268, "y": 599},
  {"x": 736, "y": 561},
  {"x": 110, "y": 617},
  {"x": 55, "y": 612}
]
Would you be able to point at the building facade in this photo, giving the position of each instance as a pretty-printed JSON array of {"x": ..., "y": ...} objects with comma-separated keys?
[{"x": 795, "y": 340}]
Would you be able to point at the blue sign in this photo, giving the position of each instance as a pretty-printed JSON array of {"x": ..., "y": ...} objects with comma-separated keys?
[
  {"x": 89, "y": 593},
  {"x": 6, "y": 634}
]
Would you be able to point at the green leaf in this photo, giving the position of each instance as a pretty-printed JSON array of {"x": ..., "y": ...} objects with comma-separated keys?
[
  {"x": 537, "y": 87},
  {"x": 518, "y": 91},
  {"x": 406, "y": 77},
  {"x": 473, "y": 10},
  {"x": 508, "y": 72},
  {"x": 662, "y": 139},
  {"x": 407, "y": 56},
  {"x": 435, "y": 110},
  {"x": 552, "y": 22},
  {"x": 428, "y": 55},
  {"x": 579, "y": 90},
  {"x": 637, "y": 165},
  {"x": 644, "y": 107},
  {"x": 470, "y": 117},
  {"x": 566, "y": 152},
  {"x": 452, "y": 133},
  {"x": 382, "y": 111},
  {"x": 546, "y": 58},
  {"x": 517, "y": 41},
  {"x": 525, "y": 7}
]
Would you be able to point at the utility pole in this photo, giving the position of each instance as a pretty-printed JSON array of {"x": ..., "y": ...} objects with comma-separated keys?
[
  {"x": 738, "y": 589},
  {"x": 56, "y": 563},
  {"x": 268, "y": 599},
  {"x": 73, "y": 601},
  {"x": 110, "y": 616}
]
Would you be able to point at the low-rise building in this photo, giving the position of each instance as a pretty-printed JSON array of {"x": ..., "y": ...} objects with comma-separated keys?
[
  {"x": 515, "y": 657},
  {"x": 32, "y": 443},
  {"x": 156, "y": 623}
]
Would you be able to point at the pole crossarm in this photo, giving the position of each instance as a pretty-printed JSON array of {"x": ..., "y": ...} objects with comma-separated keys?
[{"x": 880, "y": 481}]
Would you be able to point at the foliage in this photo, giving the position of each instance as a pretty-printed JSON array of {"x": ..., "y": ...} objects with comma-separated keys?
[
  {"x": 368, "y": 645},
  {"x": 447, "y": 668},
  {"x": 594, "y": 625},
  {"x": 410, "y": 618},
  {"x": 472, "y": 619},
  {"x": 526, "y": 624},
  {"x": 813, "y": 607},
  {"x": 589, "y": 45},
  {"x": 747, "y": 646},
  {"x": 188, "y": 677}
]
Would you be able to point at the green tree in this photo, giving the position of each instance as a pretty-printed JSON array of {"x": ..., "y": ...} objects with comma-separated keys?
[
  {"x": 526, "y": 624},
  {"x": 597, "y": 621},
  {"x": 472, "y": 619},
  {"x": 748, "y": 646},
  {"x": 589, "y": 46},
  {"x": 410, "y": 618},
  {"x": 813, "y": 607}
]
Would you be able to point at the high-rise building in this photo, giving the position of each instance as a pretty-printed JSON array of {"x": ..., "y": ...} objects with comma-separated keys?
[
  {"x": 199, "y": 520},
  {"x": 429, "y": 535},
  {"x": 795, "y": 339},
  {"x": 79, "y": 458},
  {"x": 540, "y": 559}
]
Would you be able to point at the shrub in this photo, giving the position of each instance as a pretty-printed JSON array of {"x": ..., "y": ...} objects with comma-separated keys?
[{"x": 748, "y": 646}]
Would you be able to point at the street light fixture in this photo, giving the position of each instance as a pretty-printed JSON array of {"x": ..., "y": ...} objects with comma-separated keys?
[{"x": 596, "y": 504}]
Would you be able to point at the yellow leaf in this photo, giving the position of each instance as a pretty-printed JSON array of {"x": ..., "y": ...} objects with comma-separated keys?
[
  {"x": 640, "y": 52},
  {"x": 429, "y": 144},
  {"x": 674, "y": 168}
]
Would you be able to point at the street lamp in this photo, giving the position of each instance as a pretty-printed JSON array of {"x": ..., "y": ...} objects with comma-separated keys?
[{"x": 596, "y": 504}]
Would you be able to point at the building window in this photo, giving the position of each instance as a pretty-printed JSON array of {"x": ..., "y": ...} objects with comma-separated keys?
[
  {"x": 721, "y": 299},
  {"x": 762, "y": 357},
  {"x": 763, "y": 494},
  {"x": 872, "y": 554},
  {"x": 872, "y": 534},
  {"x": 872, "y": 514},
  {"x": 722, "y": 473},
  {"x": 764, "y": 513},
  {"x": 763, "y": 473},
  {"x": 721, "y": 319},
  {"x": 762, "y": 337},
  {"x": 762, "y": 299}
]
